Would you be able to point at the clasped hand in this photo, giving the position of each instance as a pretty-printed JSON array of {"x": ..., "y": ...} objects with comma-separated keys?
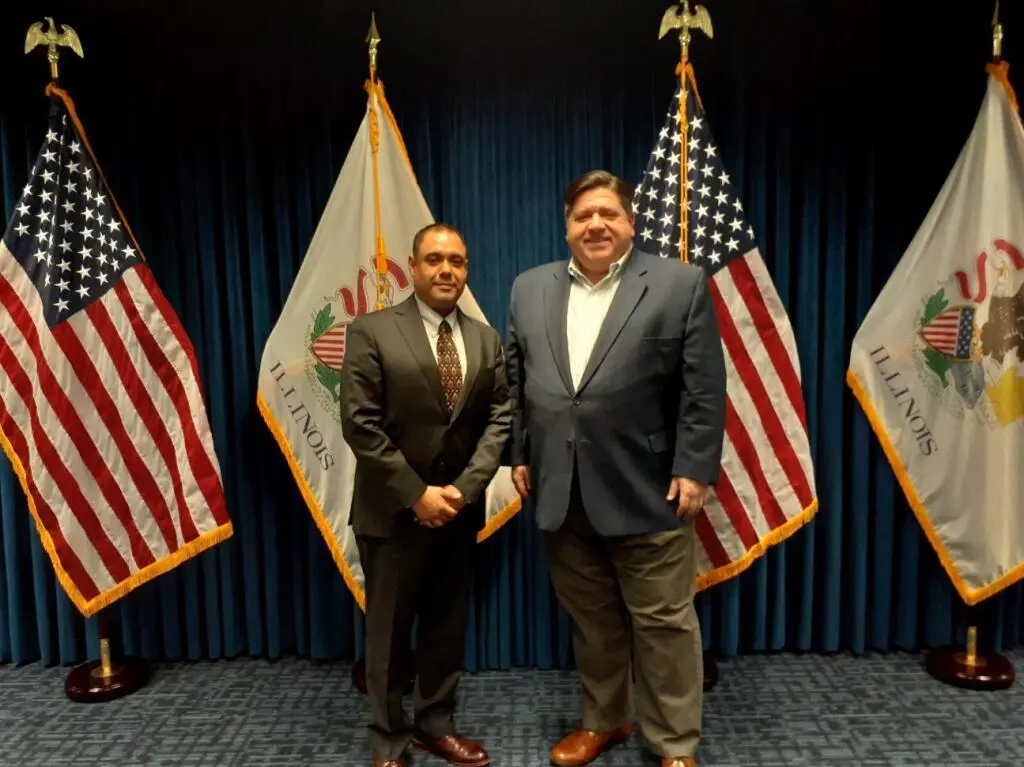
[{"x": 438, "y": 505}]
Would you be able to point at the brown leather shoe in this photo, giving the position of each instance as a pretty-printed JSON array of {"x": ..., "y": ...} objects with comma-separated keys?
[
  {"x": 380, "y": 761},
  {"x": 584, "y": 746},
  {"x": 679, "y": 761},
  {"x": 454, "y": 749}
]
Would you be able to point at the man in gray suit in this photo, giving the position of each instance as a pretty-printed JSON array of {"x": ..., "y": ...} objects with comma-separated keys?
[
  {"x": 425, "y": 409},
  {"x": 617, "y": 378}
]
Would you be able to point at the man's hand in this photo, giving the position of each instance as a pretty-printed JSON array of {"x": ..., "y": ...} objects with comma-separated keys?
[
  {"x": 690, "y": 494},
  {"x": 434, "y": 509},
  {"x": 521, "y": 479},
  {"x": 454, "y": 497}
]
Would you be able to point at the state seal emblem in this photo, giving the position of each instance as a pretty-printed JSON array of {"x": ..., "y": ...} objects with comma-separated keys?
[
  {"x": 329, "y": 325},
  {"x": 969, "y": 344}
]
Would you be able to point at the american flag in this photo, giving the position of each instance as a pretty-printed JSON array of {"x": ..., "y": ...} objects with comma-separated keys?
[
  {"x": 101, "y": 408},
  {"x": 766, "y": 488}
]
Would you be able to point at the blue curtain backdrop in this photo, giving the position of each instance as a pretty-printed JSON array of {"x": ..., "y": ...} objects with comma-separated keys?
[{"x": 222, "y": 134}]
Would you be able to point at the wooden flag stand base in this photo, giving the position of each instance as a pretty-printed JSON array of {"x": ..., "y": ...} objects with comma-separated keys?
[
  {"x": 964, "y": 667},
  {"x": 103, "y": 680},
  {"x": 359, "y": 674},
  {"x": 710, "y": 671}
]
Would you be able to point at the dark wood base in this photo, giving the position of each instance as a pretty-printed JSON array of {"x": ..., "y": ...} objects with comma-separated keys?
[
  {"x": 990, "y": 672},
  {"x": 86, "y": 683},
  {"x": 359, "y": 675},
  {"x": 711, "y": 674}
]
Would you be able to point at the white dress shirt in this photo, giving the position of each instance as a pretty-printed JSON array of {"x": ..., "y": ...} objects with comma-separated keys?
[
  {"x": 588, "y": 306},
  {"x": 432, "y": 324}
]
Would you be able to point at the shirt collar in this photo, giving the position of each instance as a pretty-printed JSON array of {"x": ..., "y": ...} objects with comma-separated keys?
[
  {"x": 615, "y": 270},
  {"x": 433, "y": 318}
]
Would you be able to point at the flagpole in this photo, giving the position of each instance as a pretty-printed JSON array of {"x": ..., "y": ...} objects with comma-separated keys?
[
  {"x": 373, "y": 38},
  {"x": 102, "y": 679},
  {"x": 684, "y": 144},
  {"x": 684, "y": 21},
  {"x": 965, "y": 667}
]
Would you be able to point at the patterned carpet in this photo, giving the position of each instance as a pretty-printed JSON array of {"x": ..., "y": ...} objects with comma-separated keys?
[{"x": 767, "y": 710}]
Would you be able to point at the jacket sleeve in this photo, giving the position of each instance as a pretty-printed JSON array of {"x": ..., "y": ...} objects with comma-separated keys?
[
  {"x": 473, "y": 481},
  {"x": 362, "y": 416},
  {"x": 700, "y": 430}
]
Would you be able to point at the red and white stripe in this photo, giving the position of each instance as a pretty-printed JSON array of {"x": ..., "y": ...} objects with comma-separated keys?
[
  {"x": 105, "y": 415},
  {"x": 943, "y": 331},
  {"x": 767, "y": 476}
]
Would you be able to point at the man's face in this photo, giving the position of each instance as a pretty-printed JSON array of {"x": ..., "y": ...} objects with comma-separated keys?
[
  {"x": 439, "y": 270},
  {"x": 598, "y": 229}
]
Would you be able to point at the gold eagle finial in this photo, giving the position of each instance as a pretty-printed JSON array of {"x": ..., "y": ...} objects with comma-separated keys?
[
  {"x": 679, "y": 17},
  {"x": 52, "y": 39}
]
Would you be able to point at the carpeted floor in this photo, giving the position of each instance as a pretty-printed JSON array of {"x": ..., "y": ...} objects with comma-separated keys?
[{"x": 767, "y": 711}]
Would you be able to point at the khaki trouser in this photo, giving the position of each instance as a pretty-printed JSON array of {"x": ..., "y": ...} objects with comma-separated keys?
[{"x": 631, "y": 599}]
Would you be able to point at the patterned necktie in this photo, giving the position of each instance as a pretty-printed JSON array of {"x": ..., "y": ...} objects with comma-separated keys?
[{"x": 448, "y": 366}]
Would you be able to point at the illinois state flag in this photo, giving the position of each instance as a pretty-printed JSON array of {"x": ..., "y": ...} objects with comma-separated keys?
[
  {"x": 101, "y": 406},
  {"x": 938, "y": 364},
  {"x": 359, "y": 254}
]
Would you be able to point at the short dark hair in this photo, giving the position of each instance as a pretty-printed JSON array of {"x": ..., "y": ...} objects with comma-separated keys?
[
  {"x": 599, "y": 179},
  {"x": 437, "y": 226}
]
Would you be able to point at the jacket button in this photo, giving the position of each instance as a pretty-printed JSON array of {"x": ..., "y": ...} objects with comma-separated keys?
[{"x": 576, "y": 401}]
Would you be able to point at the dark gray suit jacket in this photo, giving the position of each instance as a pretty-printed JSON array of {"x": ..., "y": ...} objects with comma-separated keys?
[
  {"x": 394, "y": 418},
  {"x": 650, "y": 405}
]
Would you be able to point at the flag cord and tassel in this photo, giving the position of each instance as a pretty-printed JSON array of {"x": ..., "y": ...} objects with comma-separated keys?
[{"x": 684, "y": 140}]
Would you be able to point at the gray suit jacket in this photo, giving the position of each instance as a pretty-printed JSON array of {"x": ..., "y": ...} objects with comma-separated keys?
[
  {"x": 394, "y": 418},
  {"x": 650, "y": 405}
]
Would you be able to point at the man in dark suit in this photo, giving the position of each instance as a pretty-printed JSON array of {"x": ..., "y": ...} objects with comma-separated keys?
[
  {"x": 425, "y": 409},
  {"x": 618, "y": 384}
]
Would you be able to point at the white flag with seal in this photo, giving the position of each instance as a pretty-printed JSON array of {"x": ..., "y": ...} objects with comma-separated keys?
[
  {"x": 938, "y": 364},
  {"x": 366, "y": 230}
]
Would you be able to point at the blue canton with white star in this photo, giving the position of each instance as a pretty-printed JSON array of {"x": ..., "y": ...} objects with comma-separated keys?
[
  {"x": 965, "y": 332},
  {"x": 65, "y": 232},
  {"x": 717, "y": 229}
]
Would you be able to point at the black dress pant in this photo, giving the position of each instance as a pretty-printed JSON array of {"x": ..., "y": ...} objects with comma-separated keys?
[{"x": 416, "y": 575}]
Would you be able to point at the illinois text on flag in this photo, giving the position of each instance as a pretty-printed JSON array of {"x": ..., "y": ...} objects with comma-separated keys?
[
  {"x": 687, "y": 206},
  {"x": 363, "y": 241},
  {"x": 938, "y": 363},
  {"x": 101, "y": 407}
]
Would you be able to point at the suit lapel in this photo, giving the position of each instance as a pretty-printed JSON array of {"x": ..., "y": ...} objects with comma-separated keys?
[
  {"x": 628, "y": 295},
  {"x": 471, "y": 339},
  {"x": 556, "y": 300},
  {"x": 410, "y": 324}
]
